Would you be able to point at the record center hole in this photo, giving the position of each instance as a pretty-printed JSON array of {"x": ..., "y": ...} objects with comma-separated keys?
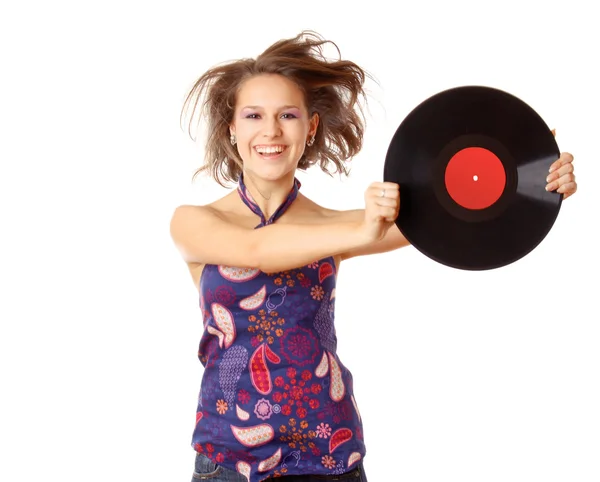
[{"x": 475, "y": 178}]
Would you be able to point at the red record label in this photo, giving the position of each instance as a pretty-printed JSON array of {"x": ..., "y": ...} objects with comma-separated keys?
[{"x": 475, "y": 178}]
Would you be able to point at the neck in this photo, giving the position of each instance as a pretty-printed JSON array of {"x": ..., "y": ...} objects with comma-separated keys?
[{"x": 268, "y": 195}]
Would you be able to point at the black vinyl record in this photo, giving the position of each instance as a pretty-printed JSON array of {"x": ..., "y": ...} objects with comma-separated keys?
[{"x": 472, "y": 163}]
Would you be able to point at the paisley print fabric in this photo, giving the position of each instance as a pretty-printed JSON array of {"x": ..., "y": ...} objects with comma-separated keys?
[{"x": 275, "y": 399}]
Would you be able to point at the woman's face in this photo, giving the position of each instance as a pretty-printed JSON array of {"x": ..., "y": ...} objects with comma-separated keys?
[{"x": 272, "y": 125}]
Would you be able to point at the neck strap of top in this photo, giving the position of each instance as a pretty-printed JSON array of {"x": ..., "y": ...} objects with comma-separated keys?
[{"x": 249, "y": 201}]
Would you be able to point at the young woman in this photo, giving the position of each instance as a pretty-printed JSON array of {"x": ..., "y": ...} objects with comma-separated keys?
[{"x": 275, "y": 398}]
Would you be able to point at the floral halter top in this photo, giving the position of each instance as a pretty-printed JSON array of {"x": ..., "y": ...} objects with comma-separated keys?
[{"x": 275, "y": 398}]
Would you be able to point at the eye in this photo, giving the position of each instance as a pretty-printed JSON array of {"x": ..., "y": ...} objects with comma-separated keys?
[
  {"x": 252, "y": 116},
  {"x": 288, "y": 116}
]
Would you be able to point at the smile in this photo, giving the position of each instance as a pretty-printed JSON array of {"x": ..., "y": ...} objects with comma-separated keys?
[{"x": 269, "y": 150}]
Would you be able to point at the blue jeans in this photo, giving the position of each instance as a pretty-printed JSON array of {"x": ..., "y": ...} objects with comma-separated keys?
[{"x": 208, "y": 471}]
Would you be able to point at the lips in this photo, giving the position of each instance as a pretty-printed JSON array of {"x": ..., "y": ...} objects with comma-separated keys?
[{"x": 270, "y": 149}]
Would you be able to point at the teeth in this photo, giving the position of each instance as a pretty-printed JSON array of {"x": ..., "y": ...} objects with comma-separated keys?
[{"x": 269, "y": 150}]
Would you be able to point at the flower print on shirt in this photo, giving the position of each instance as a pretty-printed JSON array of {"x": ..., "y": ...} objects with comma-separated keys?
[
  {"x": 297, "y": 436},
  {"x": 222, "y": 406},
  {"x": 289, "y": 278},
  {"x": 297, "y": 395},
  {"x": 299, "y": 346},
  {"x": 337, "y": 411},
  {"x": 323, "y": 430},
  {"x": 328, "y": 461},
  {"x": 243, "y": 397},
  {"x": 225, "y": 295},
  {"x": 317, "y": 292},
  {"x": 263, "y": 409},
  {"x": 266, "y": 327}
]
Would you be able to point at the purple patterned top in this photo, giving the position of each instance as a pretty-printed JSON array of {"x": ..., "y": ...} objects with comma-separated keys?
[{"x": 275, "y": 398}]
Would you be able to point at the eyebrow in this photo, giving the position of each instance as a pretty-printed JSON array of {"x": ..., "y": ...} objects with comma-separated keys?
[{"x": 256, "y": 107}]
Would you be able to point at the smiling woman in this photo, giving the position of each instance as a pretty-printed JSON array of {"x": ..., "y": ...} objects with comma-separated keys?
[{"x": 276, "y": 400}]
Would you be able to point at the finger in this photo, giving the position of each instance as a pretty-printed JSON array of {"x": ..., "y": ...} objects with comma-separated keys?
[
  {"x": 386, "y": 202},
  {"x": 564, "y": 158},
  {"x": 567, "y": 188},
  {"x": 388, "y": 186},
  {"x": 561, "y": 181},
  {"x": 561, "y": 171},
  {"x": 383, "y": 193},
  {"x": 553, "y": 132},
  {"x": 389, "y": 215}
]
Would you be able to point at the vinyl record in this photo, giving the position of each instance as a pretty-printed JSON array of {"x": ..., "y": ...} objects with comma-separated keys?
[{"x": 472, "y": 163}]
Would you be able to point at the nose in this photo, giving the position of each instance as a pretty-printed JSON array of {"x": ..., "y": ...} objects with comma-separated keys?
[{"x": 271, "y": 127}]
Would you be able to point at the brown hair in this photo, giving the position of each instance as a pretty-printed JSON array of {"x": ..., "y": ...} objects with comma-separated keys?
[{"x": 332, "y": 88}]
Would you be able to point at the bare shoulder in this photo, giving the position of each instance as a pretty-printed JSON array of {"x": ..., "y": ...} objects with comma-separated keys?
[
  {"x": 190, "y": 223},
  {"x": 219, "y": 209},
  {"x": 214, "y": 233},
  {"x": 186, "y": 213}
]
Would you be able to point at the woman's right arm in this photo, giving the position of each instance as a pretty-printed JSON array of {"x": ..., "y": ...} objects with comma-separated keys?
[{"x": 201, "y": 236}]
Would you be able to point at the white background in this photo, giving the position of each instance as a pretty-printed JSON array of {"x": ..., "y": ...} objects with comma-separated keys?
[{"x": 470, "y": 376}]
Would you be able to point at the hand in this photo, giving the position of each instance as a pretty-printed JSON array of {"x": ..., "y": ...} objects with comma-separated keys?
[
  {"x": 382, "y": 204},
  {"x": 562, "y": 177}
]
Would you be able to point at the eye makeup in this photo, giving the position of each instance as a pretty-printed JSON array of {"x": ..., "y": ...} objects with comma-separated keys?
[
  {"x": 294, "y": 111},
  {"x": 287, "y": 109}
]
